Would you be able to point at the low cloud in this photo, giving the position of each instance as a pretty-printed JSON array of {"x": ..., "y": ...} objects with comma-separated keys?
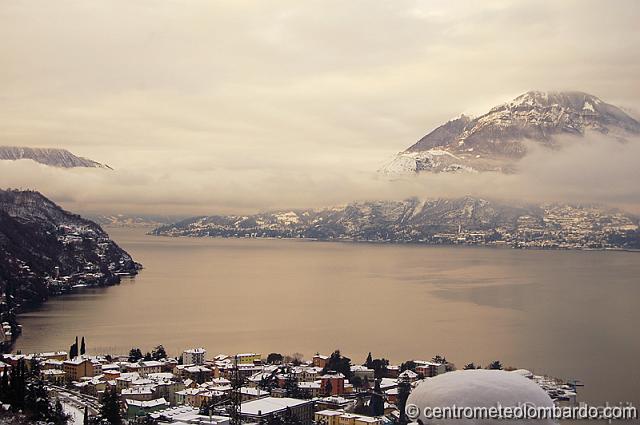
[{"x": 592, "y": 169}]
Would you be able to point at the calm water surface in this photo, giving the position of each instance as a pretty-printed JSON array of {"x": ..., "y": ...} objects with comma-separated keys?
[{"x": 562, "y": 313}]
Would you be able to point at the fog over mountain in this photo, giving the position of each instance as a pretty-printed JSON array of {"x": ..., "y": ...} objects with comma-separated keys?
[
  {"x": 496, "y": 140},
  {"x": 589, "y": 169},
  {"x": 232, "y": 107}
]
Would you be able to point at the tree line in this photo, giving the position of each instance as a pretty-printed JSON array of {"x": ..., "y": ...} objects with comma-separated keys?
[{"x": 25, "y": 391}]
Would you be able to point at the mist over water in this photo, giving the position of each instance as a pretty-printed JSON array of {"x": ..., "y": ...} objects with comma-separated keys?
[{"x": 569, "y": 314}]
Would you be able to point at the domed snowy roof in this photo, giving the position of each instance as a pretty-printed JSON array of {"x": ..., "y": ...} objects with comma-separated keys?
[
  {"x": 479, "y": 388},
  {"x": 523, "y": 372}
]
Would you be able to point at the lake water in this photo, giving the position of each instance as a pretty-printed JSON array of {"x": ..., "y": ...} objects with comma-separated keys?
[{"x": 568, "y": 314}]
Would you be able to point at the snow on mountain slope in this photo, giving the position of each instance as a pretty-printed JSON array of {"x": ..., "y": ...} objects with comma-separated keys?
[
  {"x": 495, "y": 141},
  {"x": 53, "y": 157}
]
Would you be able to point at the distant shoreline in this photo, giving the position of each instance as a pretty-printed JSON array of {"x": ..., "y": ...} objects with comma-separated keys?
[{"x": 412, "y": 243}]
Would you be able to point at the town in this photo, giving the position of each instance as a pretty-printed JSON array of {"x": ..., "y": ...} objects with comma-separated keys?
[
  {"x": 462, "y": 222},
  {"x": 198, "y": 388}
]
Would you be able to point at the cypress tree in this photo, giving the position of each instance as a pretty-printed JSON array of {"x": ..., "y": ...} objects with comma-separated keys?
[
  {"x": 404, "y": 388},
  {"x": 73, "y": 350},
  {"x": 83, "y": 349},
  {"x": 377, "y": 402},
  {"x": 4, "y": 385},
  {"x": 369, "y": 361}
]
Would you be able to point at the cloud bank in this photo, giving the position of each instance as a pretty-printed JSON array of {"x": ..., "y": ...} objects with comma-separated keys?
[{"x": 586, "y": 170}]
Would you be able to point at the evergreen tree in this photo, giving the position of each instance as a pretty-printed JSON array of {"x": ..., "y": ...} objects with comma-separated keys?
[
  {"x": 365, "y": 383},
  {"x": 496, "y": 365},
  {"x": 73, "y": 351},
  {"x": 4, "y": 385},
  {"x": 470, "y": 366},
  {"x": 159, "y": 353},
  {"x": 404, "y": 388},
  {"x": 83, "y": 348},
  {"x": 357, "y": 382},
  {"x": 148, "y": 357},
  {"x": 439, "y": 359},
  {"x": 408, "y": 365},
  {"x": 368, "y": 363},
  {"x": 37, "y": 401},
  {"x": 338, "y": 363},
  {"x": 59, "y": 415},
  {"x": 17, "y": 385},
  {"x": 34, "y": 368},
  {"x": 134, "y": 355},
  {"x": 274, "y": 358},
  {"x": 379, "y": 367},
  {"x": 110, "y": 408},
  {"x": 376, "y": 404}
]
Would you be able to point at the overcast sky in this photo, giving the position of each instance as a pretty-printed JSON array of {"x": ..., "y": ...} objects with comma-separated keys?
[{"x": 216, "y": 106}]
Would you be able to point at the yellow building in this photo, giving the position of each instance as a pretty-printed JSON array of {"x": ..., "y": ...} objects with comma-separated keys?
[
  {"x": 339, "y": 417},
  {"x": 248, "y": 358},
  {"x": 54, "y": 376},
  {"x": 57, "y": 355},
  {"x": 77, "y": 368}
]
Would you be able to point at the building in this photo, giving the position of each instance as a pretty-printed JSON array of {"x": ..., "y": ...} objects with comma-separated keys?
[
  {"x": 262, "y": 409},
  {"x": 194, "y": 356},
  {"x": 6, "y": 335},
  {"x": 187, "y": 415},
  {"x": 77, "y": 368},
  {"x": 313, "y": 388},
  {"x": 145, "y": 368},
  {"x": 363, "y": 372},
  {"x": 139, "y": 393},
  {"x": 408, "y": 376},
  {"x": 320, "y": 360},
  {"x": 248, "y": 358},
  {"x": 136, "y": 408},
  {"x": 57, "y": 355},
  {"x": 335, "y": 403},
  {"x": 54, "y": 376},
  {"x": 332, "y": 384},
  {"x": 251, "y": 393},
  {"x": 339, "y": 417},
  {"x": 199, "y": 374},
  {"x": 430, "y": 369}
]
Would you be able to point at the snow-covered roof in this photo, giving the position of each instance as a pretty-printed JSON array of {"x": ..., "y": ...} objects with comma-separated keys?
[
  {"x": 270, "y": 405},
  {"x": 149, "y": 403},
  {"x": 479, "y": 388},
  {"x": 523, "y": 372}
]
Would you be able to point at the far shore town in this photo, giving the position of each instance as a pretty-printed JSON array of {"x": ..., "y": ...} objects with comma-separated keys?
[{"x": 197, "y": 388}]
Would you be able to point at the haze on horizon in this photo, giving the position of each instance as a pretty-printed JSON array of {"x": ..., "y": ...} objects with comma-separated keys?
[{"x": 205, "y": 107}]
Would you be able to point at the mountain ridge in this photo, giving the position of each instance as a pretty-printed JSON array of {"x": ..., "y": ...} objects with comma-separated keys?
[
  {"x": 45, "y": 251},
  {"x": 54, "y": 157},
  {"x": 495, "y": 140}
]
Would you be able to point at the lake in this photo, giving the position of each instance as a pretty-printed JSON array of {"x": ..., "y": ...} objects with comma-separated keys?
[{"x": 569, "y": 314}]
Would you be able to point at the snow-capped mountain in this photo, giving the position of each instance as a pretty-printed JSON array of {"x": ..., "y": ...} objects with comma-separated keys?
[
  {"x": 495, "y": 141},
  {"x": 53, "y": 157}
]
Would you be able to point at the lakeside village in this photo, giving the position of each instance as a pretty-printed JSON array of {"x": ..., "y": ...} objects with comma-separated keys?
[
  {"x": 195, "y": 388},
  {"x": 555, "y": 227}
]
